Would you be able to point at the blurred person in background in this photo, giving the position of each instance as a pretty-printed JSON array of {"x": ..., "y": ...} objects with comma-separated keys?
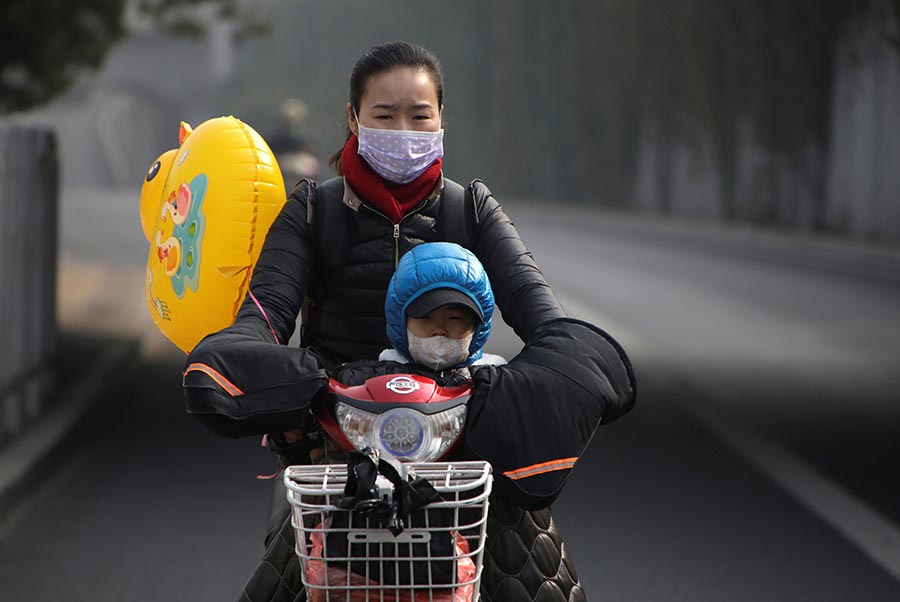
[{"x": 293, "y": 146}]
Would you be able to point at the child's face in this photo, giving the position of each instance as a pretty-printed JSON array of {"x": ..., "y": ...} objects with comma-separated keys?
[{"x": 451, "y": 321}]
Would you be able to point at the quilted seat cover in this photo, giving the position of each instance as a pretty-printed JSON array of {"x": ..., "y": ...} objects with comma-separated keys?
[{"x": 526, "y": 558}]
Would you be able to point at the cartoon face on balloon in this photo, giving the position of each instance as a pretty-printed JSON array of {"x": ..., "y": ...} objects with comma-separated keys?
[
  {"x": 178, "y": 205},
  {"x": 179, "y": 253},
  {"x": 205, "y": 209}
]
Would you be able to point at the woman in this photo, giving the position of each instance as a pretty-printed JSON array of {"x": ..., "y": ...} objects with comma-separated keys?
[
  {"x": 333, "y": 250},
  {"x": 340, "y": 256}
]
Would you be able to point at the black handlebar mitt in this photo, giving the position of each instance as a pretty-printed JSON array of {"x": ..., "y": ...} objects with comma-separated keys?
[
  {"x": 535, "y": 416},
  {"x": 237, "y": 385}
]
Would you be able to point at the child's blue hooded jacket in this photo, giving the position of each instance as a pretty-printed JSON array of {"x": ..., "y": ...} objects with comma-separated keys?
[{"x": 438, "y": 265}]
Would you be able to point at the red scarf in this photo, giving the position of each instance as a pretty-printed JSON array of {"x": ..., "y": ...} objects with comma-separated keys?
[{"x": 394, "y": 200}]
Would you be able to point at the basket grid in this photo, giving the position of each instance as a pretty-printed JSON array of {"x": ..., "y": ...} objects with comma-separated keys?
[{"x": 350, "y": 558}]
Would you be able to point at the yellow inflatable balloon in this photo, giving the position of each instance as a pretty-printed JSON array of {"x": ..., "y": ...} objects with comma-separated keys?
[{"x": 205, "y": 209}]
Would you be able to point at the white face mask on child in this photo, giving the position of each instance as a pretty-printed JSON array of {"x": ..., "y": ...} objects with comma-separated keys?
[{"x": 438, "y": 353}]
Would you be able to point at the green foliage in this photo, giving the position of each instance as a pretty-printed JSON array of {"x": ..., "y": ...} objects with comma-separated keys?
[{"x": 47, "y": 43}]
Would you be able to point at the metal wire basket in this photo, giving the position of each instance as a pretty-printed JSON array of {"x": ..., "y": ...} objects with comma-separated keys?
[{"x": 345, "y": 557}]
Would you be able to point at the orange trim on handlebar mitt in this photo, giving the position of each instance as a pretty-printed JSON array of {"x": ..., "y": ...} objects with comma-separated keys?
[
  {"x": 223, "y": 382},
  {"x": 536, "y": 469}
]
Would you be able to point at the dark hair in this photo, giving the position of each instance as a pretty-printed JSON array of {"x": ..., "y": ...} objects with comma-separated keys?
[{"x": 385, "y": 57}]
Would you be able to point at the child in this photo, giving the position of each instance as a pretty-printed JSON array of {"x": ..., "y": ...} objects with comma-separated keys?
[{"x": 438, "y": 309}]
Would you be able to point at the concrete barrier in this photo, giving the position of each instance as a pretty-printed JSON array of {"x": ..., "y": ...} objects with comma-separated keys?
[{"x": 29, "y": 192}]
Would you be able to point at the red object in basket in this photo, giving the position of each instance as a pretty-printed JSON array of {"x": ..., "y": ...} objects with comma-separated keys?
[{"x": 315, "y": 575}]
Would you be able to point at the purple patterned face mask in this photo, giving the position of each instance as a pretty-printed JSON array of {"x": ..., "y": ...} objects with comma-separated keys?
[{"x": 399, "y": 156}]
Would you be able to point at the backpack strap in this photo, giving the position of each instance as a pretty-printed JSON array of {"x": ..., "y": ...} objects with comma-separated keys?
[
  {"x": 332, "y": 227},
  {"x": 458, "y": 214}
]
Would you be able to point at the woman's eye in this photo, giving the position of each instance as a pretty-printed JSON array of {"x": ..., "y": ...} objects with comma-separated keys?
[{"x": 383, "y": 117}]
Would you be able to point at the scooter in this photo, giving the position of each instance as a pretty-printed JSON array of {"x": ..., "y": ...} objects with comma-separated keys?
[{"x": 400, "y": 520}]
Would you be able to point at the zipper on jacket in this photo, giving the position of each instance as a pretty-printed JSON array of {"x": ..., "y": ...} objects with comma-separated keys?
[
  {"x": 397, "y": 244},
  {"x": 397, "y": 232},
  {"x": 396, "y": 226}
]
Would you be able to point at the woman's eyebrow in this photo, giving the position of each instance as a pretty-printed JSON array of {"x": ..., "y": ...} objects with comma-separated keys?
[{"x": 392, "y": 106}]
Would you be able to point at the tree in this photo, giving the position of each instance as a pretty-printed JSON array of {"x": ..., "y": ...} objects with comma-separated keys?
[{"x": 47, "y": 44}]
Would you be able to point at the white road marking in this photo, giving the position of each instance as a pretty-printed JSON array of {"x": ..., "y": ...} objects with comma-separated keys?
[{"x": 875, "y": 535}]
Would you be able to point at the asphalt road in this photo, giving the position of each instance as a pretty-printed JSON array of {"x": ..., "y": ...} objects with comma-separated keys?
[{"x": 759, "y": 464}]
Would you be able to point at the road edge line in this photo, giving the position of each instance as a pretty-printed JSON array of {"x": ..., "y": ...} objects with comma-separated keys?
[{"x": 861, "y": 525}]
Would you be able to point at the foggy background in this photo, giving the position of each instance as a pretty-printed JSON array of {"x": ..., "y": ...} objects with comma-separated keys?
[
  {"x": 715, "y": 183},
  {"x": 777, "y": 113}
]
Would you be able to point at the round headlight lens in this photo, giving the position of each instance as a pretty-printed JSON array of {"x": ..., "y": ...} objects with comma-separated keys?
[{"x": 402, "y": 432}]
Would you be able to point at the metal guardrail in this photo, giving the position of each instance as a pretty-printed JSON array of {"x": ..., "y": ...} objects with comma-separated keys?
[{"x": 29, "y": 192}]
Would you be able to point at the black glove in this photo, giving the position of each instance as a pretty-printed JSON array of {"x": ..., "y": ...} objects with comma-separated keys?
[
  {"x": 297, "y": 451},
  {"x": 357, "y": 373}
]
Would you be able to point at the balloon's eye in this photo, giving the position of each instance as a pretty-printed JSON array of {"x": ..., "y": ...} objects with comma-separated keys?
[{"x": 154, "y": 169}]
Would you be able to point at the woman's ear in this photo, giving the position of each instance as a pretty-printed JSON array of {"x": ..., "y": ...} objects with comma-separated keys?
[{"x": 351, "y": 120}]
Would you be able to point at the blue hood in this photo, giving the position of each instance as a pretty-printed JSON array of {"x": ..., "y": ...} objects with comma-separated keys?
[{"x": 437, "y": 265}]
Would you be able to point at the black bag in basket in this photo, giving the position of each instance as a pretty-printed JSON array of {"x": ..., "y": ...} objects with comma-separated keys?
[{"x": 407, "y": 510}]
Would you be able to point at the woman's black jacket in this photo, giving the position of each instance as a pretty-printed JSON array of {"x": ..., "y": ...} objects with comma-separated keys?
[{"x": 338, "y": 254}]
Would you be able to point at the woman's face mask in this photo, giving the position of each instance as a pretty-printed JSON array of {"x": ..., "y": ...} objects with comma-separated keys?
[
  {"x": 438, "y": 352},
  {"x": 399, "y": 156}
]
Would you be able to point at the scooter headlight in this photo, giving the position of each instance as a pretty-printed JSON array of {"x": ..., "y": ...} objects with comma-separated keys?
[{"x": 404, "y": 433}]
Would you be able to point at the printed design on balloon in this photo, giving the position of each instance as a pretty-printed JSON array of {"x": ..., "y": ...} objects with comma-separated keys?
[
  {"x": 161, "y": 307},
  {"x": 178, "y": 242}
]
